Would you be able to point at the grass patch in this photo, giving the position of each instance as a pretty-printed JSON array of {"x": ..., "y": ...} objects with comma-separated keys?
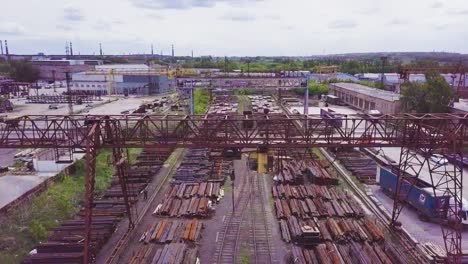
[
  {"x": 244, "y": 256},
  {"x": 26, "y": 226},
  {"x": 202, "y": 100}
]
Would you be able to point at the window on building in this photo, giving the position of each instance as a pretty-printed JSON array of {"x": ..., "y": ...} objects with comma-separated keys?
[
  {"x": 87, "y": 85},
  {"x": 93, "y": 85},
  {"x": 82, "y": 85}
]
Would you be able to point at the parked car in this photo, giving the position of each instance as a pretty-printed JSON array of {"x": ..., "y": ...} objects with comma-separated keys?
[{"x": 53, "y": 106}]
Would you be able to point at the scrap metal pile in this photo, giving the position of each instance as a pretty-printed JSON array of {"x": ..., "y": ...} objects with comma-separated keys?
[
  {"x": 360, "y": 165},
  {"x": 223, "y": 104},
  {"x": 262, "y": 103},
  {"x": 186, "y": 198},
  {"x": 189, "y": 200},
  {"x": 168, "y": 230},
  {"x": 327, "y": 224},
  {"x": 294, "y": 171},
  {"x": 175, "y": 253},
  {"x": 65, "y": 243}
]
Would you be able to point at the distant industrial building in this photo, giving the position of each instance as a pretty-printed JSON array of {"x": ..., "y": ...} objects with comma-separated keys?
[
  {"x": 121, "y": 79},
  {"x": 366, "y": 98},
  {"x": 55, "y": 70}
]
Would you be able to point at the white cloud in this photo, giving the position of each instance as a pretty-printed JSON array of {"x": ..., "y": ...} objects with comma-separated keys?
[
  {"x": 342, "y": 23},
  {"x": 72, "y": 14},
  {"x": 11, "y": 29},
  {"x": 236, "y": 27}
]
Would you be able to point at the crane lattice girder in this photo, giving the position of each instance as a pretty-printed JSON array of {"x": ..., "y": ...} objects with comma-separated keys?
[{"x": 225, "y": 131}]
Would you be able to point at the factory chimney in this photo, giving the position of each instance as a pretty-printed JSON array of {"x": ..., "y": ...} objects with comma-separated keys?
[
  {"x": 71, "y": 49},
  {"x": 173, "y": 51},
  {"x": 67, "y": 49},
  {"x": 192, "y": 54},
  {"x": 6, "y": 50},
  {"x": 1, "y": 47},
  {"x": 100, "y": 49},
  {"x": 152, "y": 51}
]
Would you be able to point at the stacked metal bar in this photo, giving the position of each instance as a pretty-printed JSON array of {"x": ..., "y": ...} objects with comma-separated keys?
[{"x": 65, "y": 243}]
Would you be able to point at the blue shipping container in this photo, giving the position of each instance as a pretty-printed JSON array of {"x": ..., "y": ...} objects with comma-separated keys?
[{"x": 420, "y": 195}]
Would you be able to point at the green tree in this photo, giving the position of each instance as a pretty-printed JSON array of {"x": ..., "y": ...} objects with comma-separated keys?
[
  {"x": 433, "y": 96},
  {"x": 23, "y": 71},
  {"x": 317, "y": 88}
]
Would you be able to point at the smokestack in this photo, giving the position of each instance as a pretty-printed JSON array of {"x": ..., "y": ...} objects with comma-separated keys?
[
  {"x": 1, "y": 46},
  {"x": 6, "y": 50},
  {"x": 71, "y": 49},
  {"x": 192, "y": 54},
  {"x": 100, "y": 49},
  {"x": 67, "y": 49},
  {"x": 152, "y": 52},
  {"x": 172, "y": 50}
]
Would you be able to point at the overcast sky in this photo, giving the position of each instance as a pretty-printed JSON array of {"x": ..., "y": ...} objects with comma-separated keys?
[{"x": 235, "y": 27}]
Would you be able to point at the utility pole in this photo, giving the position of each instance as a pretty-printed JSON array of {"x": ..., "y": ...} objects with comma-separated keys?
[
  {"x": 173, "y": 59},
  {"x": 225, "y": 65},
  {"x": 53, "y": 78},
  {"x": 69, "y": 96},
  {"x": 306, "y": 100},
  {"x": 384, "y": 60},
  {"x": 233, "y": 177}
]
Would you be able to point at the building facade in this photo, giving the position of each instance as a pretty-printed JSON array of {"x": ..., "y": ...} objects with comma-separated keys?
[
  {"x": 366, "y": 98},
  {"x": 55, "y": 70},
  {"x": 121, "y": 79}
]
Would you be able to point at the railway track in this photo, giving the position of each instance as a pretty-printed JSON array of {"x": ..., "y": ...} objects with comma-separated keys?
[
  {"x": 259, "y": 225},
  {"x": 246, "y": 224}
]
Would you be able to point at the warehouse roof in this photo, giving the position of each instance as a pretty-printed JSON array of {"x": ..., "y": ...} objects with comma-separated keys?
[{"x": 372, "y": 92}]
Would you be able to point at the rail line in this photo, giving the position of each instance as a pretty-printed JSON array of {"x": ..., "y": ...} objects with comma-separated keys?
[
  {"x": 250, "y": 197},
  {"x": 260, "y": 231},
  {"x": 227, "y": 248}
]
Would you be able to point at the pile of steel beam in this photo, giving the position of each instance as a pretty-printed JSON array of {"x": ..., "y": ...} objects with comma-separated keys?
[
  {"x": 65, "y": 243},
  {"x": 327, "y": 224},
  {"x": 360, "y": 165},
  {"x": 195, "y": 166},
  {"x": 223, "y": 105},
  {"x": 62, "y": 99},
  {"x": 339, "y": 253},
  {"x": 189, "y": 190},
  {"x": 175, "y": 253},
  {"x": 167, "y": 231},
  {"x": 191, "y": 207}
]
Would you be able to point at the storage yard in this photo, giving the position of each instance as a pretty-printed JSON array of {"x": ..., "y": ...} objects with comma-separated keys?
[{"x": 217, "y": 193}]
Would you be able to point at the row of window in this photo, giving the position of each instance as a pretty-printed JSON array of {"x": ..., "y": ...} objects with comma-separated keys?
[
  {"x": 89, "y": 85},
  {"x": 355, "y": 101}
]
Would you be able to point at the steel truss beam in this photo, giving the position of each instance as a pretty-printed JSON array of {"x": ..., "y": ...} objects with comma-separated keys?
[
  {"x": 231, "y": 131},
  {"x": 416, "y": 134},
  {"x": 446, "y": 180}
]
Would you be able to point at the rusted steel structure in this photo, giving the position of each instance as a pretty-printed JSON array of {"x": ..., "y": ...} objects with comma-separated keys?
[
  {"x": 227, "y": 82},
  {"x": 419, "y": 136}
]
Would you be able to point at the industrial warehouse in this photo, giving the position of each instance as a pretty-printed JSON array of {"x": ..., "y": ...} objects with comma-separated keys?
[{"x": 233, "y": 132}]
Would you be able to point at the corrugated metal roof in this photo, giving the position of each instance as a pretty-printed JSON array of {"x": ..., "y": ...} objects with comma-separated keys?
[{"x": 372, "y": 92}]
